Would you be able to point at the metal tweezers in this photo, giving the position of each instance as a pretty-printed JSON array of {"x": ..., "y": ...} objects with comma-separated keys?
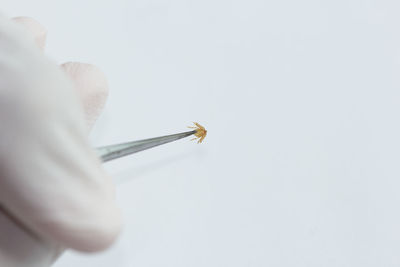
[{"x": 107, "y": 153}]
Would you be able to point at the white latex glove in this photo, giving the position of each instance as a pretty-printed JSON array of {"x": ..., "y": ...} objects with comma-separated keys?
[{"x": 53, "y": 191}]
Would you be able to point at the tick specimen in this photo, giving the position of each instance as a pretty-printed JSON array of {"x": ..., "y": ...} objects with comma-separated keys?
[{"x": 200, "y": 133}]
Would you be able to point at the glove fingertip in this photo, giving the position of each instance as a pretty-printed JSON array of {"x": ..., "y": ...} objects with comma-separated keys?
[
  {"x": 91, "y": 85},
  {"x": 34, "y": 28}
]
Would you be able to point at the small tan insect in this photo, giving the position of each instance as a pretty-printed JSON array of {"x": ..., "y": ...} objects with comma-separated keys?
[{"x": 201, "y": 132}]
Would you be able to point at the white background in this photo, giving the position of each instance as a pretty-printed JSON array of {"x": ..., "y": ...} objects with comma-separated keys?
[{"x": 301, "y": 166}]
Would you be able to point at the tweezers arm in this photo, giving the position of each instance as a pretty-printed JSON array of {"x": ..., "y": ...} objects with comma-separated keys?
[{"x": 107, "y": 153}]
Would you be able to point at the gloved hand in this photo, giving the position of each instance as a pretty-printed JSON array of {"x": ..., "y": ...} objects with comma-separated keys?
[{"x": 53, "y": 192}]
